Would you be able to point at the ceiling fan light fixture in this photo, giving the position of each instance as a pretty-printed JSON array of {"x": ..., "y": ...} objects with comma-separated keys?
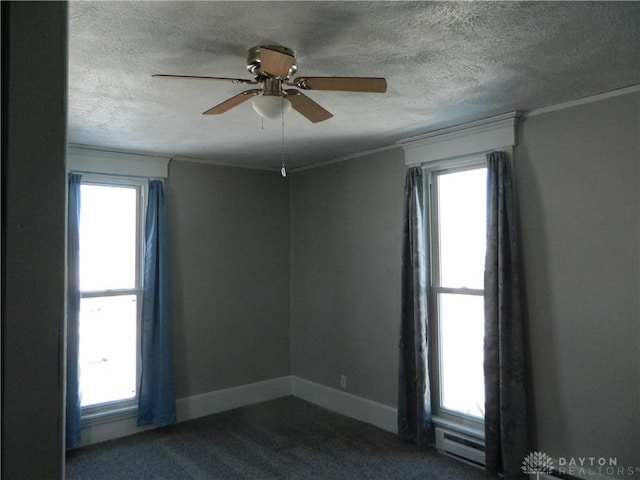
[{"x": 271, "y": 106}]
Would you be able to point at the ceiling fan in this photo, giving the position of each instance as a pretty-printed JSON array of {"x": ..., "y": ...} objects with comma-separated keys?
[{"x": 272, "y": 67}]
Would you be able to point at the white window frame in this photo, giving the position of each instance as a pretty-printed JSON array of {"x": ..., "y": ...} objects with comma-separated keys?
[
  {"x": 442, "y": 416},
  {"x": 94, "y": 413}
]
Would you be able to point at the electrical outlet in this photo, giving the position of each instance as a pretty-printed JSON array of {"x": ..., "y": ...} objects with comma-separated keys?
[{"x": 343, "y": 381}]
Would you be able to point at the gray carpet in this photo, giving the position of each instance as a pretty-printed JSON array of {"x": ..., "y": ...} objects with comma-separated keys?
[{"x": 286, "y": 438}]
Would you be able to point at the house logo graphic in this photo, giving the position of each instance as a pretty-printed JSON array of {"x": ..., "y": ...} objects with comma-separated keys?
[{"x": 536, "y": 463}]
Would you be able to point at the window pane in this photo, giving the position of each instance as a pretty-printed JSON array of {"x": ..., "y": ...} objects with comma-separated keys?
[
  {"x": 461, "y": 353},
  {"x": 107, "y": 237},
  {"x": 462, "y": 215},
  {"x": 108, "y": 349}
]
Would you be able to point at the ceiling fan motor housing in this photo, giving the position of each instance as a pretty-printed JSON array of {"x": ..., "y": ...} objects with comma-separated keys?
[{"x": 255, "y": 61}]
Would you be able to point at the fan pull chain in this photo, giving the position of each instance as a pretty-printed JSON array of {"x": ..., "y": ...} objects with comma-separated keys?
[{"x": 283, "y": 171}]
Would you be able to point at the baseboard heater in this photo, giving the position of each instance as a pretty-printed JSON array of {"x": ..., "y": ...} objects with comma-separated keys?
[
  {"x": 471, "y": 450},
  {"x": 460, "y": 446}
]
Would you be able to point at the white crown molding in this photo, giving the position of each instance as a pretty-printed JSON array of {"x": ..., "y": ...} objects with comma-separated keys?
[
  {"x": 219, "y": 163},
  {"x": 468, "y": 139},
  {"x": 582, "y": 101},
  {"x": 451, "y": 130},
  {"x": 352, "y": 156},
  {"x": 86, "y": 160}
]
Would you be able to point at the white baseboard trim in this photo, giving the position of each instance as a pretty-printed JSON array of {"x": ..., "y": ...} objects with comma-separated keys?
[
  {"x": 105, "y": 430},
  {"x": 368, "y": 411},
  {"x": 192, "y": 407},
  {"x": 188, "y": 408},
  {"x": 230, "y": 398}
]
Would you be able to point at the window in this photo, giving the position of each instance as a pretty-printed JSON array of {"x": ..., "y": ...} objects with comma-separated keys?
[
  {"x": 457, "y": 210},
  {"x": 111, "y": 288}
]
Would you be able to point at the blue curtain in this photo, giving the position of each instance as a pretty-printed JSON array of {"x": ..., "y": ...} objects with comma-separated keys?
[
  {"x": 156, "y": 400},
  {"x": 414, "y": 392},
  {"x": 73, "y": 411},
  {"x": 506, "y": 423}
]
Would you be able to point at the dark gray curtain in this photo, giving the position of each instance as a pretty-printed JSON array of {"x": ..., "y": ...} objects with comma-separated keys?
[
  {"x": 506, "y": 434},
  {"x": 73, "y": 398},
  {"x": 414, "y": 392}
]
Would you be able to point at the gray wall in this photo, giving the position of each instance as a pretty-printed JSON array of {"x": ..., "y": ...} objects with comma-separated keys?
[
  {"x": 346, "y": 224},
  {"x": 577, "y": 175},
  {"x": 578, "y": 186},
  {"x": 34, "y": 80},
  {"x": 230, "y": 259}
]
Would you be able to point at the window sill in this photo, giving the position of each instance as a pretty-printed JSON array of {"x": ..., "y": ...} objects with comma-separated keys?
[
  {"x": 108, "y": 416},
  {"x": 472, "y": 431}
]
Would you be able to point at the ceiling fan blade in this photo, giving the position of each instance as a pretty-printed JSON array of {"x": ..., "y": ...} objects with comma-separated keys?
[
  {"x": 307, "y": 107},
  {"x": 195, "y": 77},
  {"x": 343, "y": 84},
  {"x": 274, "y": 63},
  {"x": 232, "y": 102}
]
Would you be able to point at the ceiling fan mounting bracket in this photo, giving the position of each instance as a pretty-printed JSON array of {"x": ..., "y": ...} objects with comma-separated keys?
[{"x": 261, "y": 55}]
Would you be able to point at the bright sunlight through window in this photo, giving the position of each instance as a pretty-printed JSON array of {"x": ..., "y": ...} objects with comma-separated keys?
[
  {"x": 460, "y": 209},
  {"x": 108, "y": 282}
]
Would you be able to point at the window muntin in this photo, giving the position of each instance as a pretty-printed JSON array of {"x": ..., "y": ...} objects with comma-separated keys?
[
  {"x": 457, "y": 210},
  {"x": 111, "y": 286}
]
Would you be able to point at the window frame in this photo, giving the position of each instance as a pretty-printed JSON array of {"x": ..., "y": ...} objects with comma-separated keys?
[
  {"x": 441, "y": 415},
  {"x": 94, "y": 413}
]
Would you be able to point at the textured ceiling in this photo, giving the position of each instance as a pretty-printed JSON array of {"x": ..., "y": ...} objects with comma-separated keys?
[{"x": 445, "y": 63}]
